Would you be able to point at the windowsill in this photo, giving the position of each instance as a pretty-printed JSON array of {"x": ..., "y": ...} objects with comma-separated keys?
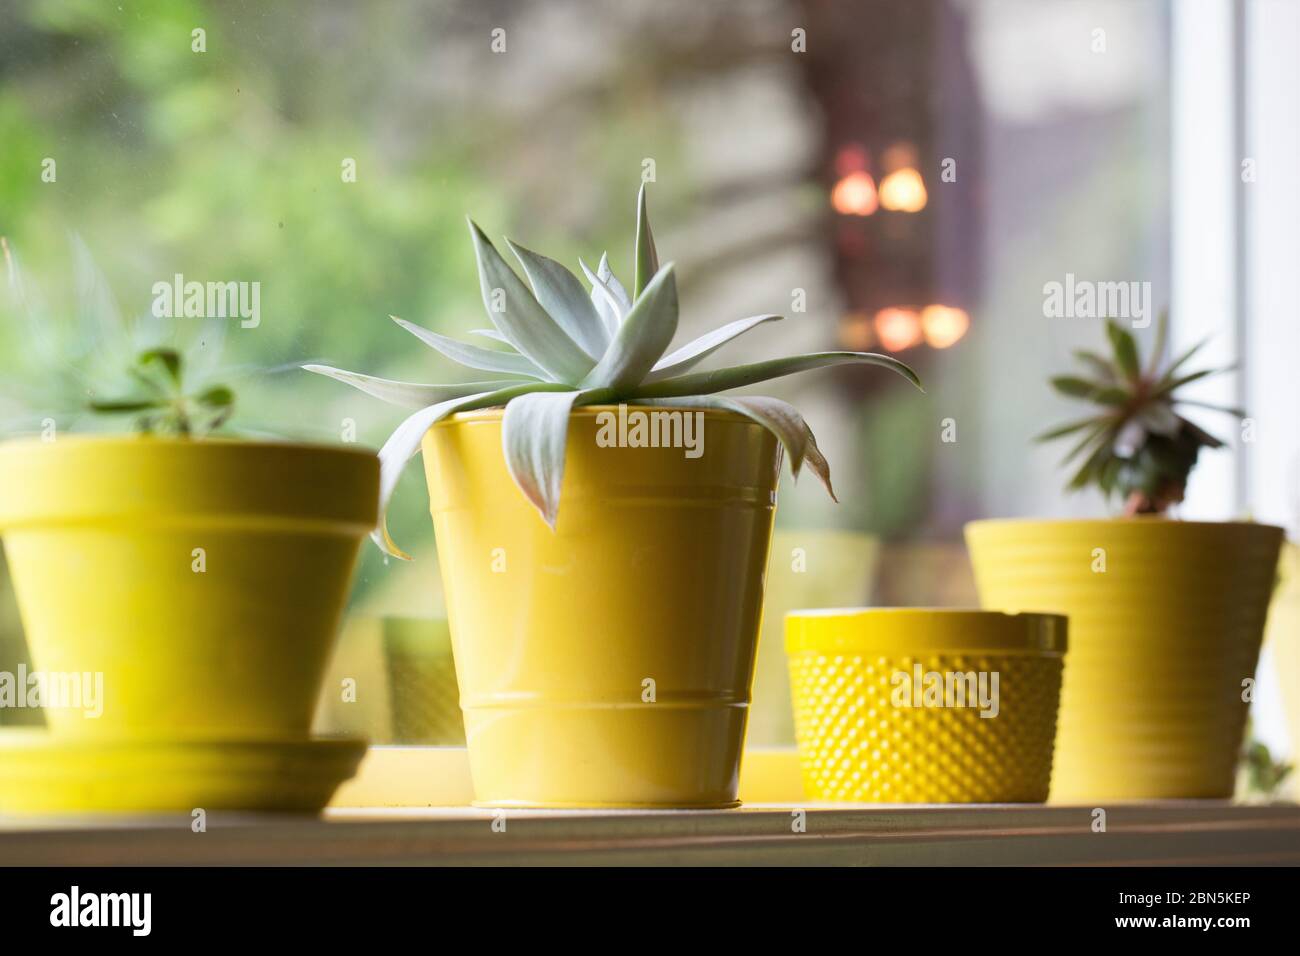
[
  {"x": 412, "y": 776},
  {"x": 391, "y": 814},
  {"x": 1204, "y": 833}
]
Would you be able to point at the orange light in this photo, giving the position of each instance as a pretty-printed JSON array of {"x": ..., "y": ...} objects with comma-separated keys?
[
  {"x": 903, "y": 191},
  {"x": 899, "y": 155},
  {"x": 855, "y": 195},
  {"x": 898, "y": 329},
  {"x": 943, "y": 325},
  {"x": 850, "y": 159},
  {"x": 855, "y": 332}
]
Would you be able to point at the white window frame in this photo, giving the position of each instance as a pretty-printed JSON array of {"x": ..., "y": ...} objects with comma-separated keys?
[{"x": 1235, "y": 259}]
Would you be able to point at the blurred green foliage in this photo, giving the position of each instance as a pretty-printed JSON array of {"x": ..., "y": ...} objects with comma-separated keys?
[{"x": 228, "y": 165}]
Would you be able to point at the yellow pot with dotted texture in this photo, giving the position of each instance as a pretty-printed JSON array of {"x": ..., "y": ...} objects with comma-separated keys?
[
  {"x": 188, "y": 590},
  {"x": 422, "y": 691},
  {"x": 1166, "y": 619},
  {"x": 608, "y": 662},
  {"x": 912, "y": 705}
]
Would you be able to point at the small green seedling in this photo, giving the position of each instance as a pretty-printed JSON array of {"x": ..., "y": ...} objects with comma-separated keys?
[{"x": 164, "y": 404}]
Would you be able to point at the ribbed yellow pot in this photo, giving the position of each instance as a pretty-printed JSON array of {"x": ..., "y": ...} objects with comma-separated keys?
[
  {"x": 606, "y": 663},
  {"x": 1283, "y": 636},
  {"x": 203, "y": 580},
  {"x": 915, "y": 705},
  {"x": 1165, "y": 625}
]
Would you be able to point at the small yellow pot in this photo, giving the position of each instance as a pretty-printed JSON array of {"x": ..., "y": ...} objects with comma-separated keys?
[
  {"x": 911, "y": 705},
  {"x": 1165, "y": 625},
  {"x": 202, "y": 581},
  {"x": 422, "y": 692},
  {"x": 607, "y": 663}
]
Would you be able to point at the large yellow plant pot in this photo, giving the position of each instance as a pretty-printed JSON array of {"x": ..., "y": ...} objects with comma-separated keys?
[
  {"x": 1283, "y": 636},
  {"x": 201, "y": 580},
  {"x": 606, "y": 663},
  {"x": 1165, "y": 625},
  {"x": 912, "y": 705}
]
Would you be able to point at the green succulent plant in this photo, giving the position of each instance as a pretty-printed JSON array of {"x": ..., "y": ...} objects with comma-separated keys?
[
  {"x": 165, "y": 405},
  {"x": 1264, "y": 774},
  {"x": 84, "y": 345},
  {"x": 560, "y": 346},
  {"x": 1138, "y": 445}
]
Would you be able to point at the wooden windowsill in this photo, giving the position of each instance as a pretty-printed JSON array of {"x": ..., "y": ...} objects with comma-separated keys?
[{"x": 1186, "y": 832}]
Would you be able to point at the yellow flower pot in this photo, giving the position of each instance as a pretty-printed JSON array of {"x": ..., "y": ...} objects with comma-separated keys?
[
  {"x": 422, "y": 682},
  {"x": 1283, "y": 636},
  {"x": 909, "y": 705},
  {"x": 13, "y": 649},
  {"x": 45, "y": 773},
  {"x": 201, "y": 580},
  {"x": 1165, "y": 625},
  {"x": 607, "y": 663}
]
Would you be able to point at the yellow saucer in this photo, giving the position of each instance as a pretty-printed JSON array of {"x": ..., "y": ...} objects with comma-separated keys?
[{"x": 43, "y": 774}]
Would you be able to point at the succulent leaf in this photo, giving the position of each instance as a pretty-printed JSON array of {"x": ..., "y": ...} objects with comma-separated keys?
[
  {"x": 404, "y": 442},
  {"x": 1074, "y": 386},
  {"x": 1170, "y": 386},
  {"x": 1103, "y": 370},
  {"x": 691, "y": 354},
  {"x": 559, "y": 292},
  {"x": 780, "y": 418},
  {"x": 473, "y": 356},
  {"x": 1125, "y": 348},
  {"x": 721, "y": 380},
  {"x": 1161, "y": 342},
  {"x": 606, "y": 275},
  {"x": 609, "y": 304},
  {"x": 168, "y": 359},
  {"x": 1226, "y": 409},
  {"x": 1062, "y": 430},
  {"x": 522, "y": 320},
  {"x": 1172, "y": 370},
  {"x": 494, "y": 335},
  {"x": 407, "y": 394},
  {"x": 111, "y": 406},
  {"x": 642, "y": 338},
  {"x": 534, "y": 431},
  {"x": 647, "y": 258},
  {"x": 1098, "y": 430}
]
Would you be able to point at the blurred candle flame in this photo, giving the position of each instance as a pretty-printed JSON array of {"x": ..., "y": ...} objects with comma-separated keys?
[
  {"x": 855, "y": 194},
  {"x": 943, "y": 325},
  {"x": 898, "y": 328},
  {"x": 903, "y": 191}
]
